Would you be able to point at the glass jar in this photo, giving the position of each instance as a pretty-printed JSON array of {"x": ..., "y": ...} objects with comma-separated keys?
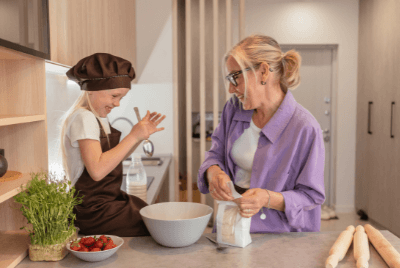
[{"x": 136, "y": 178}]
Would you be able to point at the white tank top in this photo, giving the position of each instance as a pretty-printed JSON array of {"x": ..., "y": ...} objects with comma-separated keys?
[{"x": 243, "y": 152}]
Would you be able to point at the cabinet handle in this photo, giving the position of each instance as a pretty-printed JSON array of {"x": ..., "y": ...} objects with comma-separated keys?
[
  {"x": 369, "y": 117},
  {"x": 391, "y": 122}
]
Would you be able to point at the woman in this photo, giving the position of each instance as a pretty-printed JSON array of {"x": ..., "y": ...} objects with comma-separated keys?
[
  {"x": 266, "y": 143},
  {"x": 93, "y": 153}
]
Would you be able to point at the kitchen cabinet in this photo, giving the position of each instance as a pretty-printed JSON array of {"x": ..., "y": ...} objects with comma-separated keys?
[
  {"x": 378, "y": 114},
  {"x": 79, "y": 28},
  {"x": 23, "y": 135},
  {"x": 24, "y": 26}
]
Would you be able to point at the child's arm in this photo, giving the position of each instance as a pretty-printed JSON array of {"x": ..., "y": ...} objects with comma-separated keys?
[{"x": 99, "y": 164}]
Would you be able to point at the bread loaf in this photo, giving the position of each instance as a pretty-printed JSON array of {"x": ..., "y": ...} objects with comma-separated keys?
[
  {"x": 388, "y": 253},
  {"x": 340, "y": 247}
]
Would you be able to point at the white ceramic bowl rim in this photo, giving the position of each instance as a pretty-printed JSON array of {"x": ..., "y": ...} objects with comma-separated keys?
[{"x": 210, "y": 211}]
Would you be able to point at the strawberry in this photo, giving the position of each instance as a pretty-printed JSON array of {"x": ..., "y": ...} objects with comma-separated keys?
[
  {"x": 103, "y": 238},
  {"x": 85, "y": 249},
  {"x": 98, "y": 244},
  {"x": 76, "y": 246},
  {"x": 95, "y": 249},
  {"x": 109, "y": 246},
  {"x": 89, "y": 241}
]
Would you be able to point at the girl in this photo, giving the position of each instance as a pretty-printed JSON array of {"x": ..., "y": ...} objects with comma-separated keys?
[{"x": 92, "y": 152}]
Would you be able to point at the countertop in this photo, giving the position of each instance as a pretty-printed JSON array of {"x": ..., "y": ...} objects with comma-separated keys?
[{"x": 286, "y": 250}]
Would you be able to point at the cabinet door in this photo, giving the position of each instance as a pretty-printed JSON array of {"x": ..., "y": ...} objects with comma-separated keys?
[
  {"x": 395, "y": 87},
  {"x": 382, "y": 191},
  {"x": 378, "y": 157},
  {"x": 380, "y": 165},
  {"x": 366, "y": 107},
  {"x": 79, "y": 28}
]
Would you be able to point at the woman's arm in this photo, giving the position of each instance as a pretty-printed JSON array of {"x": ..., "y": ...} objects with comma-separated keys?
[
  {"x": 309, "y": 191},
  {"x": 254, "y": 199},
  {"x": 277, "y": 201},
  {"x": 216, "y": 154}
]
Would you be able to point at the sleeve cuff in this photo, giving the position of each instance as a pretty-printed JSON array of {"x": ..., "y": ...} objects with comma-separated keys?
[
  {"x": 74, "y": 143},
  {"x": 293, "y": 210}
]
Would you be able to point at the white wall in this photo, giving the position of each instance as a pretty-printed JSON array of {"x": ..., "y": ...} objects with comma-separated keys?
[
  {"x": 321, "y": 22},
  {"x": 153, "y": 90}
]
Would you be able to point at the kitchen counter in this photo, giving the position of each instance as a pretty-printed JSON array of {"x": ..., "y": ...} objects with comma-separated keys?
[{"x": 286, "y": 250}]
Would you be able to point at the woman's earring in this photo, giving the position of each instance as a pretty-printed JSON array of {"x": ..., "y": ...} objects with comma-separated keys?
[{"x": 263, "y": 83}]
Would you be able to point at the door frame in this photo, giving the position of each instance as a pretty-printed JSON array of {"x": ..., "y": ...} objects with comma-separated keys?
[{"x": 331, "y": 196}]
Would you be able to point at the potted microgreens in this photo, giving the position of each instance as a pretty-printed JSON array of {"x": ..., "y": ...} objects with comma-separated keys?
[{"x": 47, "y": 203}]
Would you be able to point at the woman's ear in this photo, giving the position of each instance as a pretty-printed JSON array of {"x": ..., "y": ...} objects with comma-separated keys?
[{"x": 264, "y": 71}]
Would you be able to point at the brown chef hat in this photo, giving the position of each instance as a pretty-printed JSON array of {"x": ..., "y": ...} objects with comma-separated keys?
[{"x": 102, "y": 71}]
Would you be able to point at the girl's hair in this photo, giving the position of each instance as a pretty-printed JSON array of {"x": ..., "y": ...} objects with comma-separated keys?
[
  {"x": 83, "y": 101},
  {"x": 256, "y": 49}
]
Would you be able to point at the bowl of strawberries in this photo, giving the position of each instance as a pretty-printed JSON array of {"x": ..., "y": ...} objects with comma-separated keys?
[{"x": 95, "y": 248}]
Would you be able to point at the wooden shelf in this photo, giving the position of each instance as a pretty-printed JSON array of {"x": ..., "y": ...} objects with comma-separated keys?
[
  {"x": 9, "y": 189},
  {"x": 23, "y": 136},
  {"x": 14, "y": 249},
  {"x": 6, "y": 120}
]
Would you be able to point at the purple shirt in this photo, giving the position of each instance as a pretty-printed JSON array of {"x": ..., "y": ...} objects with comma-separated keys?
[{"x": 289, "y": 159}]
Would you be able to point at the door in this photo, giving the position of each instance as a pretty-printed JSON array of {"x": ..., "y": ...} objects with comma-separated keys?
[{"x": 315, "y": 94}]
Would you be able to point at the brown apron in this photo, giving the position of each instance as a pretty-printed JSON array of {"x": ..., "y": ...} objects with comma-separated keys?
[{"x": 105, "y": 208}]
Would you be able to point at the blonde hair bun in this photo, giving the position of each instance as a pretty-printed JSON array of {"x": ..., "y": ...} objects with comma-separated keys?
[
  {"x": 291, "y": 62},
  {"x": 259, "y": 48}
]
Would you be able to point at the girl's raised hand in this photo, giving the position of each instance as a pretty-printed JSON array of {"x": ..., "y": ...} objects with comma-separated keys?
[{"x": 148, "y": 125}]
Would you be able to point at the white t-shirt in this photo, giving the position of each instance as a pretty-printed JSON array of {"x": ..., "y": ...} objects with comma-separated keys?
[
  {"x": 81, "y": 125},
  {"x": 243, "y": 152}
]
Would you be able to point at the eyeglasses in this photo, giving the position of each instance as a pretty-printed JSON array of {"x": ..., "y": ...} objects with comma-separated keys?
[{"x": 233, "y": 76}]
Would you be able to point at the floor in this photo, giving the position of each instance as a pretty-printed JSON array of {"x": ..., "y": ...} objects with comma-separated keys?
[{"x": 345, "y": 219}]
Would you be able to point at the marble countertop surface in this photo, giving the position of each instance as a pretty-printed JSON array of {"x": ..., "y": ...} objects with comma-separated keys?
[{"x": 285, "y": 250}]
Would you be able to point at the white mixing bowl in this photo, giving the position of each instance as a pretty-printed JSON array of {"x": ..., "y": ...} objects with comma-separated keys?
[{"x": 176, "y": 224}]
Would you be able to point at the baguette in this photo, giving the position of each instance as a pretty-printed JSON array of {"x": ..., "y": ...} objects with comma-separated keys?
[
  {"x": 361, "y": 248},
  {"x": 388, "y": 253},
  {"x": 340, "y": 247}
]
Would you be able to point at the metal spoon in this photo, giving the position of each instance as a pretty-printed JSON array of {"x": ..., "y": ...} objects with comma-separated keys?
[
  {"x": 220, "y": 247},
  {"x": 148, "y": 146}
]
